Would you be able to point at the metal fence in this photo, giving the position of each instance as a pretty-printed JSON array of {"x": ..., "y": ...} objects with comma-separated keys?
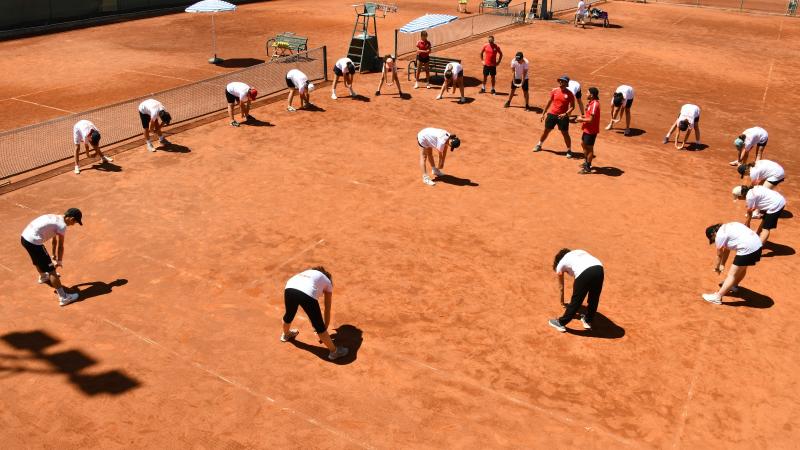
[
  {"x": 491, "y": 19},
  {"x": 35, "y": 146},
  {"x": 787, "y": 7}
]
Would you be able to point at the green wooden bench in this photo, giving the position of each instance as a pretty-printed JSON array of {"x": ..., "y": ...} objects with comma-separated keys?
[
  {"x": 285, "y": 44},
  {"x": 436, "y": 64}
]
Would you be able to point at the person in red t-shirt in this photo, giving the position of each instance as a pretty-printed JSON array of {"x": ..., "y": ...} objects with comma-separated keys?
[
  {"x": 591, "y": 128},
  {"x": 491, "y": 56},
  {"x": 556, "y": 112},
  {"x": 423, "y": 59}
]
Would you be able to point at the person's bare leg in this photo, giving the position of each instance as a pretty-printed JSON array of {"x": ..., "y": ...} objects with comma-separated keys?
[
  {"x": 397, "y": 82},
  {"x": 423, "y": 157},
  {"x": 735, "y": 276},
  {"x": 668, "y": 137},
  {"x": 291, "y": 97},
  {"x": 493, "y": 83},
  {"x": 762, "y": 232},
  {"x": 580, "y": 105},
  {"x": 461, "y": 87},
  {"x": 427, "y": 75},
  {"x": 442, "y": 90},
  {"x": 55, "y": 280},
  {"x": 525, "y": 94},
  {"x": 697, "y": 132},
  {"x": 567, "y": 139},
  {"x": 335, "y": 83},
  {"x": 627, "y": 118},
  {"x": 327, "y": 341},
  {"x": 430, "y": 158},
  {"x": 230, "y": 112},
  {"x": 157, "y": 130},
  {"x": 442, "y": 156},
  {"x": 511, "y": 94},
  {"x": 614, "y": 112},
  {"x": 545, "y": 133}
]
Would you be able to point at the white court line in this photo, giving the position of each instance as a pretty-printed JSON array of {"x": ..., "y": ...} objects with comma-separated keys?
[
  {"x": 310, "y": 419},
  {"x": 300, "y": 253},
  {"x": 606, "y": 64},
  {"x": 7, "y": 268},
  {"x": 690, "y": 393},
  {"x": 766, "y": 87},
  {"x": 679, "y": 20},
  {"x": 181, "y": 271},
  {"x": 780, "y": 30},
  {"x": 43, "y": 106},
  {"x": 162, "y": 76}
]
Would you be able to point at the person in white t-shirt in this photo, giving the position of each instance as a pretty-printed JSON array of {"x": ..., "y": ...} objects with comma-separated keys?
[
  {"x": 241, "y": 93},
  {"x": 621, "y": 103},
  {"x": 688, "y": 120},
  {"x": 453, "y": 76},
  {"x": 50, "y": 227},
  {"x": 344, "y": 68},
  {"x": 745, "y": 242},
  {"x": 153, "y": 117},
  {"x": 303, "y": 290},
  {"x": 297, "y": 81},
  {"x": 519, "y": 79},
  {"x": 755, "y": 136},
  {"x": 575, "y": 87},
  {"x": 580, "y": 16},
  {"x": 86, "y": 132},
  {"x": 764, "y": 201},
  {"x": 389, "y": 75},
  {"x": 589, "y": 275},
  {"x": 430, "y": 139},
  {"x": 763, "y": 173}
]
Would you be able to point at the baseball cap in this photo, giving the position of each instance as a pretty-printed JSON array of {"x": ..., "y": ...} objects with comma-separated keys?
[
  {"x": 710, "y": 232},
  {"x": 739, "y": 142},
  {"x": 737, "y": 192},
  {"x": 564, "y": 78},
  {"x": 519, "y": 56},
  {"x": 76, "y": 214},
  {"x": 455, "y": 142},
  {"x": 742, "y": 169},
  {"x": 310, "y": 87}
]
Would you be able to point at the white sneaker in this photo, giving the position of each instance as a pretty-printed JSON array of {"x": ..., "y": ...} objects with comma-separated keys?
[
  {"x": 427, "y": 180},
  {"x": 586, "y": 325},
  {"x": 340, "y": 352},
  {"x": 69, "y": 298},
  {"x": 43, "y": 278},
  {"x": 288, "y": 337},
  {"x": 608, "y": 127},
  {"x": 150, "y": 146},
  {"x": 108, "y": 159},
  {"x": 416, "y": 85},
  {"x": 333, "y": 95},
  {"x": 436, "y": 172},
  {"x": 352, "y": 93},
  {"x": 712, "y": 298},
  {"x": 77, "y": 170},
  {"x": 438, "y": 97}
]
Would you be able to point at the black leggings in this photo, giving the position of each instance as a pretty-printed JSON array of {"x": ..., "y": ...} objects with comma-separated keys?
[
  {"x": 292, "y": 298},
  {"x": 591, "y": 282}
]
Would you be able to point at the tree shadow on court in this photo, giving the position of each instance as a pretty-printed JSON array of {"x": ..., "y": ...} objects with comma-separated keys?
[
  {"x": 253, "y": 122},
  {"x": 234, "y": 63},
  {"x": 602, "y": 327},
  {"x": 786, "y": 214},
  {"x": 72, "y": 364},
  {"x": 174, "y": 148},
  {"x": 455, "y": 181},
  {"x": 575, "y": 155},
  {"x": 95, "y": 288},
  {"x": 750, "y": 299},
  {"x": 106, "y": 167},
  {"x": 777, "y": 250},
  {"x": 608, "y": 171},
  {"x": 346, "y": 335}
]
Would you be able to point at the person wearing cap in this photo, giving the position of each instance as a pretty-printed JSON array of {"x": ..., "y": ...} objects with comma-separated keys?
[
  {"x": 297, "y": 81},
  {"x": 237, "y": 92},
  {"x": 430, "y": 139},
  {"x": 303, "y": 291},
  {"x": 50, "y": 227},
  {"x": 589, "y": 275},
  {"x": 575, "y": 88},
  {"x": 453, "y": 77},
  {"x": 759, "y": 199},
  {"x": 556, "y": 112},
  {"x": 591, "y": 128},
  {"x": 85, "y": 132},
  {"x": 752, "y": 136},
  {"x": 688, "y": 120},
  {"x": 738, "y": 237},
  {"x": 423, "y": 60},
  {"x": 389, "y": 75},
  {"x": 153, "y": 117},
  {"x": 621, "y": 103},
  {"x": 763, "y": 173},
  {"x": 519, "y": 74},
  {"x": 344, "y": 68},
  {"x": 491, "y": 55}
]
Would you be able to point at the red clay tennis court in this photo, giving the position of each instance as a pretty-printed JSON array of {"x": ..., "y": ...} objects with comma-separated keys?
[{"x": 442, "y": 293}]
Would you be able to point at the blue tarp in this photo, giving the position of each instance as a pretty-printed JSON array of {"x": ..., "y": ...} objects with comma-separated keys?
[{"x": 427, "y": 21}]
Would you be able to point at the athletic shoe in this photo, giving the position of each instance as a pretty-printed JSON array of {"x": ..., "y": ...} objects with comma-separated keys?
[
  {"x": 288, "y": 337},
  {"x": 437, "y": 172},
  {"x": 438, "y": 97},
  {"x": 666, "y": 140},
  {"x": 291, "y": 109},
  {"x": 353, "y": 93},
  {"x": 627, "y": 132},
  {"x": 493, "y": 92},
  {"x": 585, "y": 170},
  {"x": 164, "y": 141},
  {"x": 77, "y": 170},
  {"x": 377, "y": 93},
  {"x": 555, "y": 324},
  {"x": 107, "y": 159},
  {"x": 712, "y": 298},
  {"x": 734, "y": 163},
  {"x": 527, "y": 108},
  {"x": 538, "y": 148},
  {"x": 608, "y": 127},
  {"x": 235, "y": 123},
  {"x": 586, "y": 325},
  {"x": 43, "y": 278},
  {"x": 150, "y": 146},
  {"x": 333, "y": 95},
  {"x": 483, "y": 90},
  {"x": 570, "y": 155},
  {"x": 340, "y": 352},
  {"x": 427, "y": 86},
  {"x": 697, "y": 143},
  {"x": 416, "y": 85},
  {"x": 427, "y": 180},
  {"x": 461, "y": 101},
  {"x": 506, "y": 104},
  {"x": 66, "y": 300}
]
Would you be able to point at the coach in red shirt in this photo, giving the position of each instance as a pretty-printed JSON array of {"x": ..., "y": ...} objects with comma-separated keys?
[
  {"x": 556, "y": 112},
  {"x": 491, "y": 56},
  {"x": 591, "y": 128}
]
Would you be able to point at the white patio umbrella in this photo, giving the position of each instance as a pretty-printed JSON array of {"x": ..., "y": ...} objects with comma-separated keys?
[{"x": 212, "y": 7}]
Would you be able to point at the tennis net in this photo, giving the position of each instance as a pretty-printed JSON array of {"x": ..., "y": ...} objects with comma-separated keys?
[
  {"x": 35, "y": 146},
  {"x": 787, "y": 7}
]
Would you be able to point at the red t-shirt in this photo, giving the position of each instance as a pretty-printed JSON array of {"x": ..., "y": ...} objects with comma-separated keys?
[
  {"x": 593, "y": 109},
  {"x": 423, "y": 48},
  {"x": 561, "y": 101},
  {"x": 490, "y": 54}
]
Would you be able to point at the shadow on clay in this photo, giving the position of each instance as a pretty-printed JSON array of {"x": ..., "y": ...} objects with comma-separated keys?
[
  {"x": 750, "y": 299},
  {"x": 86, "y": 291},
  {"x": 602, "y": 327},
  {"x": 346, "y": 335}
]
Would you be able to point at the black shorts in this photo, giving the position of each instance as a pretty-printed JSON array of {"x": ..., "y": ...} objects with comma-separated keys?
[
  {"x": 337, "y": 71},
  {"x": 629, "y": 103},
  {"x": 762, "y": 145},
  {"x": 524, "y": 85},
  {"x": 770, "y": 221},
  {"x": 292, "y": 298},
  {"x": 588, "y": 139},
  {"x": 748, "y": 260},
  {"x": 489, "y": 70},
  {"x": 578, "y": 94},
  {"x": 290, "y": 83},
  {"x": 775, "y": 183},
  {"x": 552, "y": 120},
  {"x": 232, "y": 99},
  {"x": 39, "y": 256},
  {"x": 423, "y": 59},
  {"x": 145, "y": 118}
]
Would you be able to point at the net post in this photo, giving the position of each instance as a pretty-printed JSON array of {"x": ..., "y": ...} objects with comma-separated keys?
[
  {"x": 325, "y": 61},
  {"x": 395, "y": 43}
]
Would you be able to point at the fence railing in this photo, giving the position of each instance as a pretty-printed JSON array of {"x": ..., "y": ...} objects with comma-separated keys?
[
  {"x": 32, "y": 147},
  {"x": 786, "y": 7}
]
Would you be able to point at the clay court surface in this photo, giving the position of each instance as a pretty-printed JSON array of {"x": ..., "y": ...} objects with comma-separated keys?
[{"x": 442, "y": 293}]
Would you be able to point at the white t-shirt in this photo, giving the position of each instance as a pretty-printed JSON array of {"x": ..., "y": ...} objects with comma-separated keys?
[
  {"x": 455, "y": 67},
  {"x": 765, "y": 169},
  {"x": 44, "y": 228},
  {"x": 341, "y": 64},
  {"x": 765, "y": 199},
  {"x": 520, "y": 68},
  {"x": 575, "y": 262},
  {"x": 737, "y": 236},
  {"x": 626, "y": 91},
  {"x": 151, "y": 107},
  {"x": 433, "y": 138},
  {"x": 581, "y": 8},
  {"x": 239, "y": 89},
  {"x": 81, "y": 131},
  {"x": 753, "y": 136},
  {"x": 310, "y": 282},
  {"x": 574, "y": 87},
  {"x": 299, "y": 79}
]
